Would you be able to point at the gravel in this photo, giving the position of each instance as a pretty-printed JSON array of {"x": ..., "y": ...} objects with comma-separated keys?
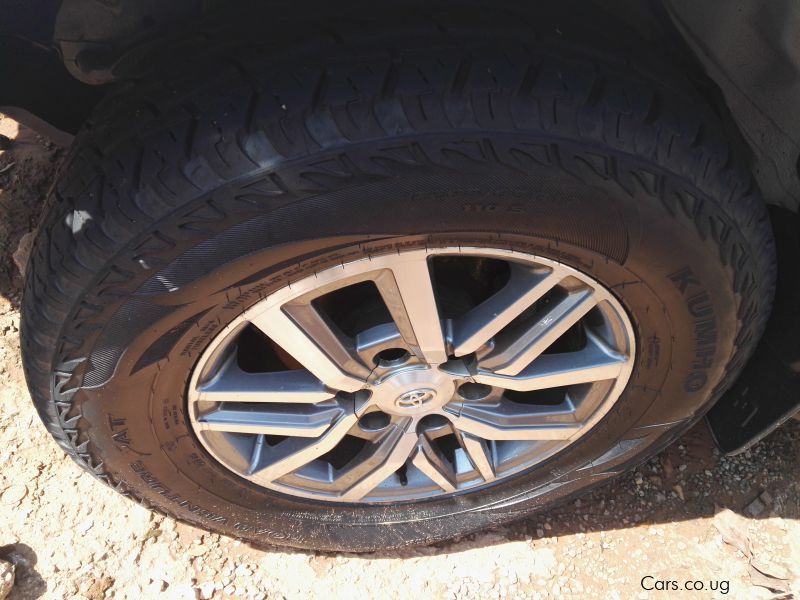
[
  {"x": 6, "y": 578},
  {"x": 67, "y": 536}
]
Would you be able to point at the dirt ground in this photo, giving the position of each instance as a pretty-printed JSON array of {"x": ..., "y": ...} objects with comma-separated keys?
[{"x": 728, "y": 526}]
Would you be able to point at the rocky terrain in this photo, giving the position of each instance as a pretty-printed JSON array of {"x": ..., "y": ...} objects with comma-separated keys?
[{"x": 730, "y": 525}]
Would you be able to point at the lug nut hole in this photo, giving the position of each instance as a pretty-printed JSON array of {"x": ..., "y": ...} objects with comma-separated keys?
[
  {"x": 391, "y": 357},
  {"x": 374, "y": 421},
  {"x": 430, "y": 422},
  {"x": 474, "y": 391}
]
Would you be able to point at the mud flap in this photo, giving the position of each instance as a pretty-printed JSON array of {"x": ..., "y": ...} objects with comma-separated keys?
[{"x": 767, "y": 392}]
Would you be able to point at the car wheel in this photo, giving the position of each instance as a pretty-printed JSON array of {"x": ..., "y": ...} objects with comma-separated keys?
[{"x": 392, "y": 296}]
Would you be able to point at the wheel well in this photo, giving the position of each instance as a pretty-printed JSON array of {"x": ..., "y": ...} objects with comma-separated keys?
[{"x": 37, "y": 90}]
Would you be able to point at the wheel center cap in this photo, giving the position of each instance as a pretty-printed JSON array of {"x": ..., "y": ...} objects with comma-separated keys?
[
  {"x": 415, "y": 398},
  {"x": 415, "y": 391}
]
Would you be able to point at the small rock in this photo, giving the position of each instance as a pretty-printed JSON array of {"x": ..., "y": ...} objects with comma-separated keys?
[
  {"x": 679, "y": 490},
  {"x": 6, "y": 578},
  {"x": 14, "y": 494},
  {"x": 182, "y": 591},
  {"x": 99, "y": 587},
  {"x": 197, "y": 550},
  {"x": 84, "y": 527},
  {"x": 23, "y": 251},
  {"x": 755, "y": 508},
  {"x": 206, "y": 590}
]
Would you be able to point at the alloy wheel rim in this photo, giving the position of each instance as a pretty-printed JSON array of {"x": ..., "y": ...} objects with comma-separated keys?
[{"x": 424, "y": 399}]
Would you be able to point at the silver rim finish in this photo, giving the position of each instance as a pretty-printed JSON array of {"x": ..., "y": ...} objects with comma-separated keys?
[{"x": 422, "y": 404}]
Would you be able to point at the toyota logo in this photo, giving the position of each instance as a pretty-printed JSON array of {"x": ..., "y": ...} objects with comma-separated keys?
[{"x": 415, "y": 398}]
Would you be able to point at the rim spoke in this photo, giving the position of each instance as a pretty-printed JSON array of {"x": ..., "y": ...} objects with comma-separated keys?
[
  {"x": 303, "y": 420},
  {"x": 483, "y": 322},
  {"x": 294, "y": 453},
  {"x": 479, "y": 454},
  {"x": 438, "y": 469},
  {"x": 385, "y": 457},
  {"x": 234, "y": 385},
  {"x": 518, "y": 351},
  {"x": 506, "y": 420},
  {"x": 312, "y": 343},
  {"x": 596, "y": 362},
  {"x": 409, "y": 296}
]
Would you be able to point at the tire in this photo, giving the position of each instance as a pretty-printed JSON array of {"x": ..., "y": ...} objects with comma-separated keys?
[{"x": 188, "y": 198}]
